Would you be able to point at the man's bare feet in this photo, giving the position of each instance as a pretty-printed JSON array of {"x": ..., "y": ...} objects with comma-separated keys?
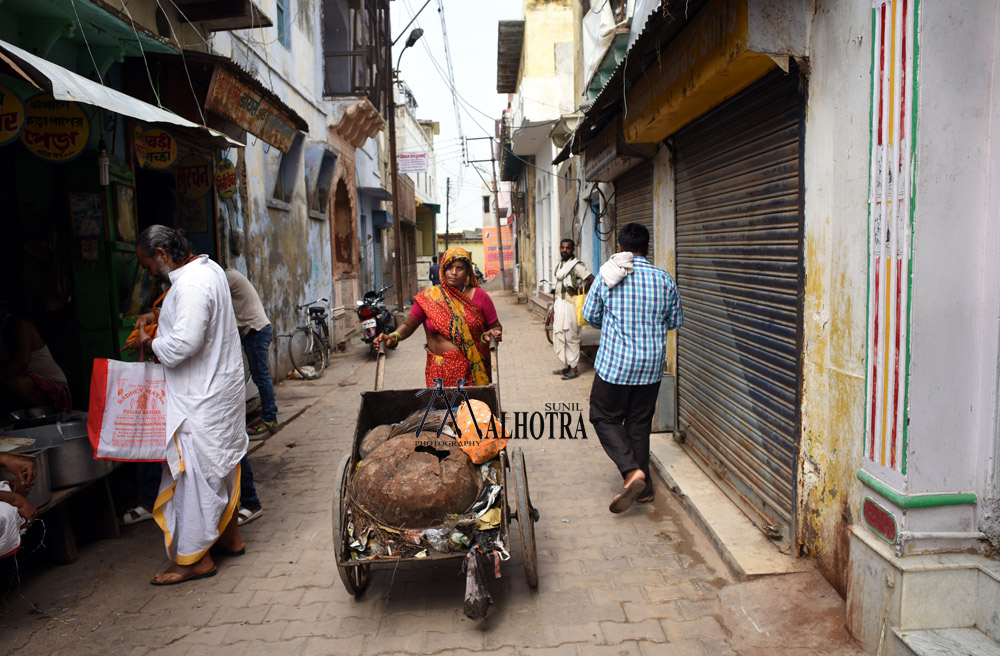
[{"x": 175, "y": 574}]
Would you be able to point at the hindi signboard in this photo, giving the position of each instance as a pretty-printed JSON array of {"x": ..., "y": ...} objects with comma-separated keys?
[
  {"x": 492, "y": 252},
  {"x": 225, "y": 178},
  {"x": 248, "y": 109},
  {"x": 154, "y": 148},
  {"x": 55, "y": 130},
  {"x": 11, "y": 116},
  {"x": 414, "y": 162},
  {"x": 193, "y": 178}
]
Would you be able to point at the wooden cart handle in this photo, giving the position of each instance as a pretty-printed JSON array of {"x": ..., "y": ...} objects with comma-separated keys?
[
  {"x": 495, "y": 368},
  {"x": 380, "y": 367}
]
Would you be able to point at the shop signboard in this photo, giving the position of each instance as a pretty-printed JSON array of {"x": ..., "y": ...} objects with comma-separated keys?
[
  {"x": 415, "y": 162},
  {"x": 155, "y": 148},
  {"x": 193, "y": 177},
  {"x": 225, "y": 178},
  {"x": 492, "y": 252},
  {"x": 139, "y": 140},
  {"x": 11, "y": 116},
  {"x": 56, "y": 130},
  {"x": 249, "y": 109}
]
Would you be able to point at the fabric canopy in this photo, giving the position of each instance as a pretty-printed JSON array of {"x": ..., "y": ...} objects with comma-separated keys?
[{"x": 64, "y": 84}]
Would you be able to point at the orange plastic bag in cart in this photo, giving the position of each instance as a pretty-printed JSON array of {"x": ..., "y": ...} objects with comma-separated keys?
[{"x": 494, "y": 437}]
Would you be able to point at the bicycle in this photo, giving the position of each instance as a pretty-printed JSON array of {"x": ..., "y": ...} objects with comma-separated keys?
[
  {"x": 549, "y": 316},
  {"x": 309, "y": 345}
]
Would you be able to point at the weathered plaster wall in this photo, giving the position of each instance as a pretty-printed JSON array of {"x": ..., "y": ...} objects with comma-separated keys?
[
  {"x": 989, "y": 473},
  {"x": 835, "y": 308},
  {"x": 288, "y": 254},
  {"x": 664, "y": 230},
  {"x": 545, "y": 87},
  {"x": 950, "y": 328}
]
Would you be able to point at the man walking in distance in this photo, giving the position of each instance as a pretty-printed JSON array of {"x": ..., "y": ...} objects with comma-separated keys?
[
  {"x": 255, "y": 333},
  {"x": 198, "y": 345},
  {"x": 572, "y": 278},
  {"x": 435, "y": 271},
  {"x": 635, "y": 304}
]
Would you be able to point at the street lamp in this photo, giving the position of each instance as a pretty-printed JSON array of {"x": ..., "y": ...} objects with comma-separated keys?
[{"x": 396, "y": 229}]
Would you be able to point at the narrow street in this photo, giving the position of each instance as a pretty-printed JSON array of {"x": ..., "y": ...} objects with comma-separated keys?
[{"x": 645, "y": 582}]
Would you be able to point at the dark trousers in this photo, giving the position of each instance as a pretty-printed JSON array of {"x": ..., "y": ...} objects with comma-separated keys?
[
  {"x": 256, "y": 345},
  {"x": 622, "y": 416}
]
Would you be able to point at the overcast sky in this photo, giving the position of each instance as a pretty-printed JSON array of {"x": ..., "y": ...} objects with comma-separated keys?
[{"x": 472, "y": 38}]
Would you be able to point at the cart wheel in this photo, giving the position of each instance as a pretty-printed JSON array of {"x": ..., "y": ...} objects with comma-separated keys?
[
  {"x": 355, "y": 577},
  {"x": 526, "y": 518}
]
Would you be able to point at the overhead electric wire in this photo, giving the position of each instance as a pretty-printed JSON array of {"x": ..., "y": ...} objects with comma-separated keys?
[
  {"x": 187, "y": 73},
  {"x": 87, "y": 43},
  {"x": 149, "y": 74}
]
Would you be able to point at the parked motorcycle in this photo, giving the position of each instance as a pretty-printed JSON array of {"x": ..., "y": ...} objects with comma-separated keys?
[{"x": 374, "y": 317}]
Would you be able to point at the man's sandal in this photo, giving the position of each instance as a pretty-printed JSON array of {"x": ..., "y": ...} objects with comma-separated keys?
[
  {"x": 193, "y": 577},
  {"x": 261, "y": 427},
  {"x": 247, "y": 515},
  {"x": 624, "y": 499},
  {"x": 136, "y": 515}
]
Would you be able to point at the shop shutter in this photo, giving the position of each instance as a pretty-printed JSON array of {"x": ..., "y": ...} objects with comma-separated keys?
[
  {"x": 739, "y": 271},
  {"x": 634, "y": 200}
]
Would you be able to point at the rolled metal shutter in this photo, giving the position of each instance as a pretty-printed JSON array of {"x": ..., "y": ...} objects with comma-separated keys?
[
  {"x": 739, "y": 271},
  {"x": 634, "y": 200}
]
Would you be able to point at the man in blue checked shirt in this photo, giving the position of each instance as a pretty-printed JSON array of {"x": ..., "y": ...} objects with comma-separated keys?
[{"x": 634, "y": 304}]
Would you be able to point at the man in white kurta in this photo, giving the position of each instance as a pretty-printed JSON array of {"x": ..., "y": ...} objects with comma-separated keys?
[
  {"x": 571, "y": 277},
  {"x": 199, "y": 346}
]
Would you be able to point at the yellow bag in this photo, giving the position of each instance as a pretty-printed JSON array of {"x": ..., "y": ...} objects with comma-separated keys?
[
  {"x": 489, "y": 447},
  {"x": 579, "y": 300}
]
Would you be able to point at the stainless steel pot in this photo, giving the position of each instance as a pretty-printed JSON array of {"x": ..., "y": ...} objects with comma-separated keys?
[
  {"x": 33, "y": 417},
  {"x": 73, "y": 463},
  {"x": 41, "y": 491}
]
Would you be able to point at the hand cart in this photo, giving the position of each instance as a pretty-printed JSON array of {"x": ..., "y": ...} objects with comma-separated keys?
[{"x": 391, "y": 406}]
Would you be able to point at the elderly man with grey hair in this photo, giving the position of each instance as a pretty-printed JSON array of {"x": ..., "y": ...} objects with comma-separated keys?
[{"x": 198, "y": 344}]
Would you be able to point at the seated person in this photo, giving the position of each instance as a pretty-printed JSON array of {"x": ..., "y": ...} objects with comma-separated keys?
[
  {"x": 29, "y": 376},
  {"x": 16, "y": 511}
]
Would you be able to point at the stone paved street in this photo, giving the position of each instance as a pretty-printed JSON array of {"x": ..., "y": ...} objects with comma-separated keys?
[{"x": 645, "y": 582}]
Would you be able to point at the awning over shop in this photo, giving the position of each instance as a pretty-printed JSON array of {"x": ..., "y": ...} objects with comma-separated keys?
[
  {"x": 432, "y": 207},
  {"x": 381, "y": 219},
  {"x": 375, "y": 193},
  {"x": 662, "y": 27},
  {"x": 64, "y": 84}
]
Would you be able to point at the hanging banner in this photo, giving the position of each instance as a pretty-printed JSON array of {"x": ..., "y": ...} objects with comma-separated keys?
[
  {"x": 56, "y": 130},
  {"x": 492, "y": 253},
  {"x": 193, "y": 177},
  {"x": 11, "y": 116},
  {"x": 225, "y": 179},
  {"x": 249, "y": 110},
  {"x": 159, "y": 148},
  {"x": 415, "y": 162}
]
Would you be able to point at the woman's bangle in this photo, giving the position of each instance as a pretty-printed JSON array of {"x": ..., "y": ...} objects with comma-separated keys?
[{"x": 396, "y": 334}]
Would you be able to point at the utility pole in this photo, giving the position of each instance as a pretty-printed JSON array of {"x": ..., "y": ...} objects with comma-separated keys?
[
  {"x": 447, "y": 207},
  {"x": 394, "y": 165},
  {"x": 496, "y": 202}
]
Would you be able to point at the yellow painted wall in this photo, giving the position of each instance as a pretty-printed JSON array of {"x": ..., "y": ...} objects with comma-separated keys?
[
  {"x": 474, "y": 246},
  {"x": 546, "y": 22}
]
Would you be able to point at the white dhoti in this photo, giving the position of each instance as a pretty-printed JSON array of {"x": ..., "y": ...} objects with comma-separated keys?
[
  {"x": 566, "y": 332},
  {"x": 194, "y": 508},
  {"x": 199, "y": 345},
  {"x": 10, "y": 526}
]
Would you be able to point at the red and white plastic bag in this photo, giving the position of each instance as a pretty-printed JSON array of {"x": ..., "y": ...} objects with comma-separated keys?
[{"x": 128, "y": 411}]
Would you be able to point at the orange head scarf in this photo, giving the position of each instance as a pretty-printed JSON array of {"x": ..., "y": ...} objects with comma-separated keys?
[{"x": 457, "y": 254}]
